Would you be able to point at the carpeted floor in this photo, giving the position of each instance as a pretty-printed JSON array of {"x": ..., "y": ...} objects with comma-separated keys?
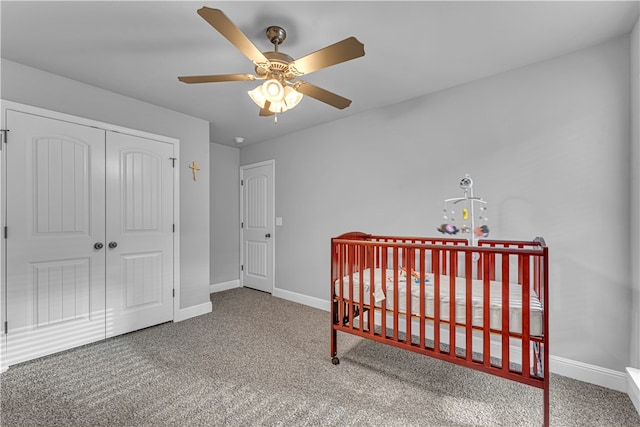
[{"x": 260, "y": 360}]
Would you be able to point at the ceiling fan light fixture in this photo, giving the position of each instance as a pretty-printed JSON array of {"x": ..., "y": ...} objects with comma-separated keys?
[
  {"x": 278, "y": 107},
  {"x": 272, "y": 90},
  {"x": 291, "y": 97},
  {"x": 281, "y": 98},
  {"x": 257, "y": 96}
]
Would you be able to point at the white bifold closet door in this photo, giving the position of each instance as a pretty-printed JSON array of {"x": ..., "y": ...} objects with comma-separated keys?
[
  {"x": 89, "y": 248},
  {"x": 139, "y": 204}
]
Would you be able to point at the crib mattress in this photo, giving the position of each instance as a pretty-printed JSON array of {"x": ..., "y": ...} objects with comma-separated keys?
[{"x": 386, "y": 293}]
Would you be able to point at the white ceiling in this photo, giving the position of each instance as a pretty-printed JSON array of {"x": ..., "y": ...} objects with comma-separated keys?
[{"x": 412, "y": 48}]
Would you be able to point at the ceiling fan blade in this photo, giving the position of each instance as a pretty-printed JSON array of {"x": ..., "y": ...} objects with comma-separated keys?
[
  {"x": 264, "y": 111},
  {"x": 345, "y": 50},
  {"x": 228, "y": 29},
  {"x": 322, "y": 95},
  {"x": 217, "y": 78}
]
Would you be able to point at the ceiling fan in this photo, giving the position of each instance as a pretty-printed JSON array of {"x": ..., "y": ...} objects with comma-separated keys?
[{"x": 280, "y": 91}]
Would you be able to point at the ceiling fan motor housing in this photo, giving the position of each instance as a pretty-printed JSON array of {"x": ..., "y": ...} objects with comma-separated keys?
[{"x": 278, "y": 66}]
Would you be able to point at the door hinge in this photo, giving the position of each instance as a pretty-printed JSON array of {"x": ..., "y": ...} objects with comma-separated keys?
[
  {"x": 242, "y": 182},
  {"x": 242, "y": 225},
  {"x": 174, "y": 228},
  {"x": 242, "y": 268},
  {"x": 5, "y": 232},
  {"x": 6, "y": 327},
  {"x": 4, "y": 134},
  {"x": 173, "y": 161},
  {"x": 174, "y": 293}
]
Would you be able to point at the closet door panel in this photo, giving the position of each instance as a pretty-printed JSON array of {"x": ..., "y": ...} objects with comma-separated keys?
[
  {"x": 55, "y": 214},
  {"x": 140, "y": 225}
]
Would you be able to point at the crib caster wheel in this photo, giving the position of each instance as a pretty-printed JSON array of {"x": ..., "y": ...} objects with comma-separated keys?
[{"x": 335, "y": 360}]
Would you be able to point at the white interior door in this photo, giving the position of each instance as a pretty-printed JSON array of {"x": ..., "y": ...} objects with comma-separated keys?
[
  {"x": 55, "y": 278},
  {"x": 139, "y": 245},
  {"x": 258, "y": 226}
]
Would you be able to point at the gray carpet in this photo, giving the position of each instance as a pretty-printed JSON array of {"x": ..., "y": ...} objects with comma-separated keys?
[{"x": 260, "y": 360}]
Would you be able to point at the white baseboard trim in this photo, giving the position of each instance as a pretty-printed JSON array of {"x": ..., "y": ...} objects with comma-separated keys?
[
  {"x": 592, "y": 374},
  {"x": 193, "y": 311},
  {"x": 224, "y": 286},
  {"x": 302, "y": 299},
  {"x": 633, "y": 387}
]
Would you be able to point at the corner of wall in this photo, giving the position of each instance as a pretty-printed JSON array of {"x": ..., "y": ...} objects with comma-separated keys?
[
  {"x": 224, "y": 286},
  {"x": 634, "y": 355}
]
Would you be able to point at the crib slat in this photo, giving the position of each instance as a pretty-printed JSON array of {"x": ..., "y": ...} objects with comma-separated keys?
[
  {"x": 383, "y": 306},
  {"x": 395, "y": 293},
  {"x": 341, "y": 262},
  {"x": 351, "y": 261},
  {"x": 526, "y": 317},
  {"x": 468, "y": 305},
  {"x": 409, "y": 284},
  {"x": 492, "y": 263},
  {"x": 486, "y": 313},
  {"x": 536, "y": 276},
  {"x": 361, "y": 259},
  {"x": 506, "y": 328},
  {"x": 520, "y": 269},
  {"x": 422, "y": 297},
  {"x": 453, "y": 274},
  {"x": 372, "y": 304},
  {"x": 537, "y": 270},
  {"x": 436, "y": 300}
]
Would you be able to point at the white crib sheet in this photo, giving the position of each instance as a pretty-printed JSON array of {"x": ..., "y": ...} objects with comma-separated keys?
[{"x": 495, "y": 300}]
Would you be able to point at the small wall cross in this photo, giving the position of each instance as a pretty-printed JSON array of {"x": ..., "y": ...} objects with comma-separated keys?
[{"x": 195, "y": 169}]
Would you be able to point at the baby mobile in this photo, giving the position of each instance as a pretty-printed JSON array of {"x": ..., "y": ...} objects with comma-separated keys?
[{"x": 460, "y": 213}]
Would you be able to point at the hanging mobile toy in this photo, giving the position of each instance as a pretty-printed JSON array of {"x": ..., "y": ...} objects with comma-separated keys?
[
  {"x": 481, "y": 231},
  {"x": 467, "y": 213},
  {"x": 448, "y": 229}
]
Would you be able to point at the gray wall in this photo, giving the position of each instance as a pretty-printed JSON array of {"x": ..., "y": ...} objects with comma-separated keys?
[
  {"x": 41, "y": 89},
  {"x": 225, "y": 213},
  {"x": 635, "y": 195},
  {"x": 547, "y": 146}
]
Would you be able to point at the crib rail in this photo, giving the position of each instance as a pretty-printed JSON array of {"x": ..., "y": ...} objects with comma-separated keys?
[{"x": 393, "y": 290}]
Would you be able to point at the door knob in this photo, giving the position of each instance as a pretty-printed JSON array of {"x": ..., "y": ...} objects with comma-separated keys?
[
  {"x": 98, "y": 246},
  {"x": 112, "y": 245},
  {"x": 267, "y": 235}
]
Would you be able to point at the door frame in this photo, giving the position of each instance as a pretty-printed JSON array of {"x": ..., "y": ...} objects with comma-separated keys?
[
  {"x": 6, "y": 105},
  {"x": 271, "y": 163}
]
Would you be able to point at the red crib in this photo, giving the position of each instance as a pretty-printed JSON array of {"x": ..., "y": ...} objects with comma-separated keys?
[{"x": 483, "y": 307}]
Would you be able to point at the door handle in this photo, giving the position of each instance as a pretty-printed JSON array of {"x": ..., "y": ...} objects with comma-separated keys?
[
  {"x": 98, "y": 246},
  {"x": 113, "y": 245},
  {"x": 267, "y": 235}
]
